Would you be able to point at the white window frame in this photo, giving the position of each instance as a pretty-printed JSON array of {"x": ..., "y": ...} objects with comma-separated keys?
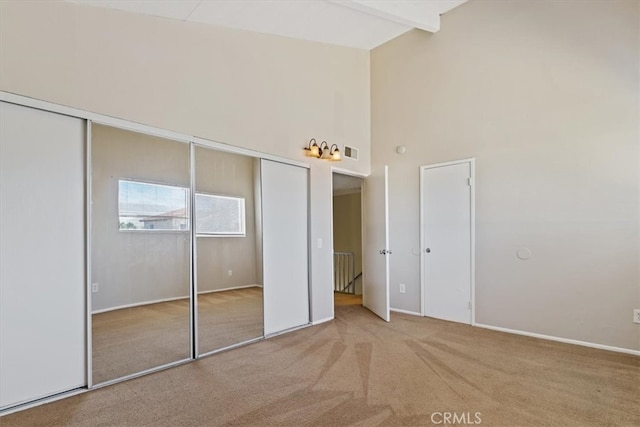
[
  {"x": 158, "y": 230},
  {"x": 242, "y": 216}
]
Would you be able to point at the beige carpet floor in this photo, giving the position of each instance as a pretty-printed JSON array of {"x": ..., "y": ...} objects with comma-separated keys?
[
  {"x": 131, "y": 340},
  {"x": 360, "y": 371},
  {"x": 229, "y": 317}
]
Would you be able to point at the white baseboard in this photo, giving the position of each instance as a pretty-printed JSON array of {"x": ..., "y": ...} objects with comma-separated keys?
[
  {"x": 42, "y": 401},
  {"x": 137, "y": 304},
  {"x": 229, "y": 289},
  {"x": 412, "y": 313},
  {"x": 558, "y": 339},
  {"x": 317, "y": 322}
]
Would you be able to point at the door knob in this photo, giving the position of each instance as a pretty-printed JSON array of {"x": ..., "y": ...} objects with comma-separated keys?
[{"x": 428, "y": 250}]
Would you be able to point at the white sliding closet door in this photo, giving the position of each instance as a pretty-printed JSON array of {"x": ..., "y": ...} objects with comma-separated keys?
[
  {"x": 285, "y": 246},
  {"x": 42, "y": 254}
]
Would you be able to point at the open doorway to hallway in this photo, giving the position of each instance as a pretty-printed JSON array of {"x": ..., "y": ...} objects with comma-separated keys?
[{"x": 347, "y": 239}]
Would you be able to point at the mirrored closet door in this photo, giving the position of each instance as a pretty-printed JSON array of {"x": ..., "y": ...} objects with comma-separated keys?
[
  {"x": 140, "y": 252},
  {"x": 228, "y": 249}
]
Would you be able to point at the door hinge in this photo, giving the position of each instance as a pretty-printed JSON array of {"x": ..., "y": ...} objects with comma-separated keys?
[
  {"x": 469, "y": 182},
  {"x": 469, "y": 305}
]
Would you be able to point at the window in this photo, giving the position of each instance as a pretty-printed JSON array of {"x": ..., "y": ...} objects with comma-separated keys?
[
  {"x": 219, "y": 215},
  {"x": 146, "y": 206}
]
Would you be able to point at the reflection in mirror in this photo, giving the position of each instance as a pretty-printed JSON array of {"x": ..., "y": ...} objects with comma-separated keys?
[
  {"x": 228, "y": 249},
  {"x": 140, "y": 246}
]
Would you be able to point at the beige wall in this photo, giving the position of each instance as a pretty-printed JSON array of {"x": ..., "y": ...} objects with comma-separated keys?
[
  {"x": 347, "y": 229},
  {"x": 227, "y": 174},
  {"x": 267, "y": 93},
  {"x": 545, "y": 96},
  {"x": 133, "y": 267}
]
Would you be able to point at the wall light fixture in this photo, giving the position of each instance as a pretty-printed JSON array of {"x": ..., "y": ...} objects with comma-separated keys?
[{"x": 322, "y": 151}]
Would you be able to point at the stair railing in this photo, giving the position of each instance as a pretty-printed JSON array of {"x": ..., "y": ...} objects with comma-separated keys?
[{"x": 344, "y": 272}]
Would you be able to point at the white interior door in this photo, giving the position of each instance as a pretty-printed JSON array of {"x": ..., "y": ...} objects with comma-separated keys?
[
  {"x": 375, "y": 288},
  {"x": 42, "y": 254},
  {"x": 284, "y": 246},
  {"x": 446, "y": 199}
]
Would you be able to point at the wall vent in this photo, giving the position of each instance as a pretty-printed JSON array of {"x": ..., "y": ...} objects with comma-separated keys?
[{"x": 351, "y": 152}]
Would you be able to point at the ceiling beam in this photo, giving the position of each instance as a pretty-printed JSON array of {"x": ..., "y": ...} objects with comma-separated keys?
[{"x": 424, "y": 15}]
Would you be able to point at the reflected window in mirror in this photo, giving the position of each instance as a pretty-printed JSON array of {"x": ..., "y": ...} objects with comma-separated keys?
[
  {"x": 220, "y": 215},
  {"x": 149, "y": 206}
]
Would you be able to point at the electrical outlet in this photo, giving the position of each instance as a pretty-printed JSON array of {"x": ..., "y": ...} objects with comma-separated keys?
[
  {"x": 402, "y": 288},
  {"x": 230, "y": 272},
  {"x": 94, "y": 287},
  {"x": 636, "y": 315}
]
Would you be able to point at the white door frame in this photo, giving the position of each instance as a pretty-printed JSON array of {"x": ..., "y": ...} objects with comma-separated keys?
[
  {"x": 355, "y": 175},
  {"x": 472, "y": 170}
]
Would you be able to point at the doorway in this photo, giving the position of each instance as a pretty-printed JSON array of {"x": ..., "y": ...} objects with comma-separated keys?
[
  {"x": 347, "y": 239},
  {"x": 447, "y": 240}
]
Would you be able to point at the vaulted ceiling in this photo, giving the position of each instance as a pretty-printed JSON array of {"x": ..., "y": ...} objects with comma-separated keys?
[{"x": 362, "y": 24}]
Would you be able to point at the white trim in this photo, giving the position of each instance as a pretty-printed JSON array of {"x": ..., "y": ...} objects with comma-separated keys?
[
  {"x": 228, "y": 289},
  {"x": 325, "y": 320},
  {"x": 412, "y": 313},
  {"x": 157, "y": 301},
  {"x": 139, "y": 127},
  {"x": 472, "y": 172},
  {"x": 332, "y": 247},
  {"x": 259, "y": 184},
  {"x": 422, "y": 242},
  {"x": 242, "y": 216},
  {"x": 310, "y": 313},
  {"x": 41, "y": 401},
  {"x": 230, "y": 347},
  {"x": 153, "y": 231},
  {"x": 387, "y": 242},
  {"x": 341, "y": 171},
  {"x": 193, "y": 256},
  {"x": 137, "y": 304},
  {"x": 558, "y": 339},
  {"x": 94, "y": 117},
  {"x": 472, "y": 243},
  {"x": 451, "y": 163},
  {"x": 88, "y": 182}
]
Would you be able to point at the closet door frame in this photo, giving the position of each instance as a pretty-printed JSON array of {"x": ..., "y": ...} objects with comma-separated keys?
[
  {"x": 147, "y": 131},
  {"x": 91, "y": 118},
  {"x": 43, "y": 191}
]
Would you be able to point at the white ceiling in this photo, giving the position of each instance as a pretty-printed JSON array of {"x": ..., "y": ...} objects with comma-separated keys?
[{"x": 363, "y": 24}]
